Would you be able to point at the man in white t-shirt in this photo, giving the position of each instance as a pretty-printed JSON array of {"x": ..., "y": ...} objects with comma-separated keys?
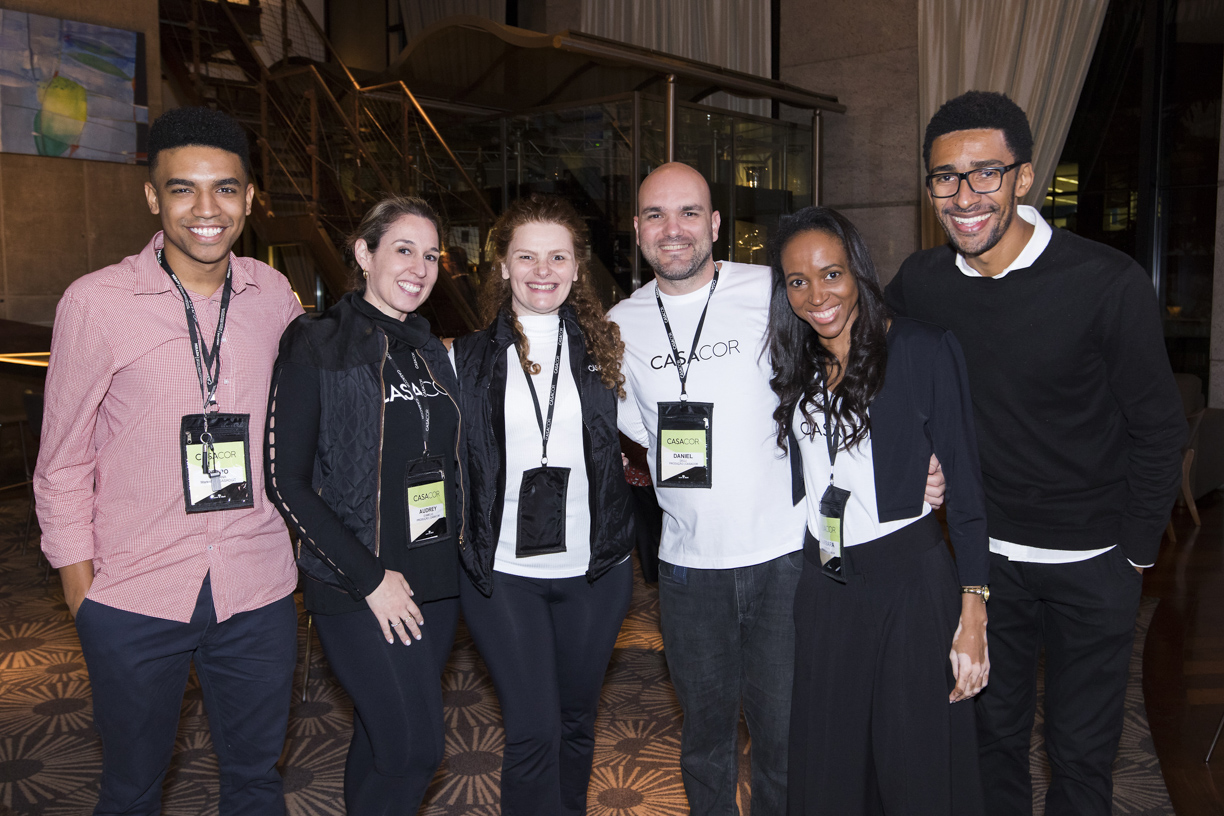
[{"x": 731, "y": 550}]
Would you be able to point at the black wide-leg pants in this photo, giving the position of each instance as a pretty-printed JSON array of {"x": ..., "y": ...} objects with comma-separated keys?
[
  {"x": 1083, "y": 613},
  {"x": 872, "y": 731}
]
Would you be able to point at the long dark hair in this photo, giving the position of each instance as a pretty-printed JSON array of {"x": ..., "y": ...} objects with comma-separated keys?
[
  {"x": 796, "y": 354},
  {"x": 603, "y": 340}
]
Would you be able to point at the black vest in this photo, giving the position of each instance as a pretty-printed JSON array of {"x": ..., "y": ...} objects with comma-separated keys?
[{"x": 481, "y": 361}]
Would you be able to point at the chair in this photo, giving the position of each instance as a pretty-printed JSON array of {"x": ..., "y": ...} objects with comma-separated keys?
[
  {"x": 306, "y": 667},
  {"x": 20, "y": 421},
  {"x": 1193, "y": 419},
  {"x": 1215, "y": 739}
]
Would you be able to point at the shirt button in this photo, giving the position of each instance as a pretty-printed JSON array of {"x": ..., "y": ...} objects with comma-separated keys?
[{"x": 210, "y": 546}]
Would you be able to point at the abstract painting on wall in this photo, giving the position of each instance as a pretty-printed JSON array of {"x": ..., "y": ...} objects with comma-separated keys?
[{"x": 71, "y": 89}]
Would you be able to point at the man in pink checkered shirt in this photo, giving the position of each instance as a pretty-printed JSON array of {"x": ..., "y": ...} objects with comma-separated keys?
[{"x": 149, "y": 496}]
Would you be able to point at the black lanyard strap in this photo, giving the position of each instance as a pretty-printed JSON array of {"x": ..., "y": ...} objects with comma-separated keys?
[
  {"x": 546, "y": 426},
  {"x": 422, "y": 408},
  {"x": 832, "y": 429},
  {"x": 207, "y": 362},
  {"x": 682, "y": 369}
]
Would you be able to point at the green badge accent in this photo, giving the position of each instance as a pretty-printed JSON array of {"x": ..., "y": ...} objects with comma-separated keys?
[
  {"x": 426, "y": 505},
  {"x": 228, "y": 457},
  {"x": 682, "y": 450},
  {"x": 830, "y": 529}
]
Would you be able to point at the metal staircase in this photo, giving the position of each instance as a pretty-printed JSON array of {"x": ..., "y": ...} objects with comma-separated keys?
[{"x": 325, "y": 147}]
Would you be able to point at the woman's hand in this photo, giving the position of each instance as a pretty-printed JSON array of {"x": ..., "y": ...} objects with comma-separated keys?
[
  {"x": 392, "y": 604},
  {"x": 969, "y": 656},
  {"x": 936, "y": 485}
]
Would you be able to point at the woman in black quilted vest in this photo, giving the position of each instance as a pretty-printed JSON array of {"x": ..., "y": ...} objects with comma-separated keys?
[
  {"x": 363, "y": 460},
  {"x": 548, "y": 577}
]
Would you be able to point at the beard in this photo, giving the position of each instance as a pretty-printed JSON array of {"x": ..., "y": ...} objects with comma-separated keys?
[
  {"x": 973, "y": 246},
  {"x": 677, "y": 272}
]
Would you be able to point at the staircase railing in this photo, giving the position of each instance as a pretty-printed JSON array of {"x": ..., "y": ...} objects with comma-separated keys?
[{"x": 327, "y": 147}]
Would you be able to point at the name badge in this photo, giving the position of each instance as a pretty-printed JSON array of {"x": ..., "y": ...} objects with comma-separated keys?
[
  {"x": 543, "y": 500},
  {"x": 216, "y": 457},
  {"x": 425, "y": 502},
  {"x": 830, "y": 532},
  {"x": 684, "y": 447}
]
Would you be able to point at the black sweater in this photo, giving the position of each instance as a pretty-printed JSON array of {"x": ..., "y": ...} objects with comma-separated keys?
[
  {"x": 431, "y": 570},
  {"x": 1080, "y": 426}
]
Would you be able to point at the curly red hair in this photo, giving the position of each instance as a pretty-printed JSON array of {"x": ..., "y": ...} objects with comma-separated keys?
[{"x": 603, "y": 341}]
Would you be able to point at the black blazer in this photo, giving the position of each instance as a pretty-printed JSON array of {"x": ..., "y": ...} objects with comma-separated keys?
[{"x": 924, "y": 408}]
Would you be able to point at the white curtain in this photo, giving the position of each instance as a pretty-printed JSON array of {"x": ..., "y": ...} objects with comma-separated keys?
[
  {"x": 728, "y": 33},
  {"x": 419, "y": 14},
  {"x": 1035, "y": 51}
]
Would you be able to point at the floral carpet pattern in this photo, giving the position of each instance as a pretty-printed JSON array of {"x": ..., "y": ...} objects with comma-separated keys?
[{"x": 50, "y": 756}]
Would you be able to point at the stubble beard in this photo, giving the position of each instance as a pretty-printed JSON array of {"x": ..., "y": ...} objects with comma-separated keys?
[{"x": 700, "y": 259}]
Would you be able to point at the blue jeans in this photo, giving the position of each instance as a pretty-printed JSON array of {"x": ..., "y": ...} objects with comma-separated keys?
[
  {"x": 138, "y": 672},
  {"x": 729, "y": 638}
]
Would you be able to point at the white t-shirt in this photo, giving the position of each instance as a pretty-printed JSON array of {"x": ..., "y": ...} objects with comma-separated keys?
[
  {"x": 565, "y": 449},
  {"x": 854, "y": 470},
  {"x": 746, "y": 517}
]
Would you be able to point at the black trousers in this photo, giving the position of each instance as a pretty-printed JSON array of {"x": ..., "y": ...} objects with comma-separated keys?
[
  {"x": 396, "y": 690},
  {"x": 547, "y": 642},
  {"x": 872, "y": 731},
  {"x": 1083, "y": 613},
  {"x": 138, "y": 667}
]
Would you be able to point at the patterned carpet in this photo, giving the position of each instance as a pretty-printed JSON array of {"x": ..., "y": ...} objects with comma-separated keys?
[{"x": 50, "y": 757}]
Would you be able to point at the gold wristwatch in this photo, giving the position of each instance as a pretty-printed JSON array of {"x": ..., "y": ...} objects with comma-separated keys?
[{"x": 982, "y": 590}]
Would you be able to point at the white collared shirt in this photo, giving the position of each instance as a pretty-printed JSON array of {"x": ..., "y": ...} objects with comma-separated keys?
[{"x": 1036, "y": 245}]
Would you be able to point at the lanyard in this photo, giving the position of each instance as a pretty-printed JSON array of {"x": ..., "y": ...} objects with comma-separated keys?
[
  {"x": 683, "y": 370},
  {"x": 206, "y": 362},
  {"x": 422, "y": 408},
  {"x": 546, "y": 427},
  {"x": 832, "y": 429}
]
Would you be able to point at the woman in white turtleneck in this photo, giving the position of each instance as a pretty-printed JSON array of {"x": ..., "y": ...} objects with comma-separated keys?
[{"x": 550, "y": 523}]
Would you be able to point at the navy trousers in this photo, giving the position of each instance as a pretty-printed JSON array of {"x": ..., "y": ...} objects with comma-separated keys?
[{"x": 138, "y": 668}]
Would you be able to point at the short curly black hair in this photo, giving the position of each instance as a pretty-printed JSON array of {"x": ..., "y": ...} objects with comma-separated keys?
[
  {"x": 981, "y": 109},
  {"x": 198, "y": 126}
]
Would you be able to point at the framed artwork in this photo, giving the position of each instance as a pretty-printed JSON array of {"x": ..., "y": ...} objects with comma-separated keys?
[{"x": 71, "y": 89}]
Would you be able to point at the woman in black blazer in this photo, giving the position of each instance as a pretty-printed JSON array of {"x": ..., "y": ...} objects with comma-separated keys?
[{"x": 890, "y": 631}]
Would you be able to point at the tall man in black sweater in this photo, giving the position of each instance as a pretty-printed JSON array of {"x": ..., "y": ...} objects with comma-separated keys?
[{"x": 1080, "y": 429}]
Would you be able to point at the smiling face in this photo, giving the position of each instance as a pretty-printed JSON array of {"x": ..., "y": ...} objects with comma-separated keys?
[
  {"x": 981, "y": 224},
  {"x": 821, "y": 287},
  {"x": 541, "y": 267},
  {"x": 203, "y": 198},
  {"x": 676, "y": 227},
  {"x": 403, "y": 268}
]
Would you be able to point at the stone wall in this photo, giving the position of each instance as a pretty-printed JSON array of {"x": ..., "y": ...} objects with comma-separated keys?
[{"x": 866, "y": 54}]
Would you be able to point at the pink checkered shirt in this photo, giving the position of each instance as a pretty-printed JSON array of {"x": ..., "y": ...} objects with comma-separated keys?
[{"x": 109, "y": 483}]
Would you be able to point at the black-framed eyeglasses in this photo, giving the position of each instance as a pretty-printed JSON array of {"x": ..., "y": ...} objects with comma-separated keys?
[{"x": 982, "y": 181}]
